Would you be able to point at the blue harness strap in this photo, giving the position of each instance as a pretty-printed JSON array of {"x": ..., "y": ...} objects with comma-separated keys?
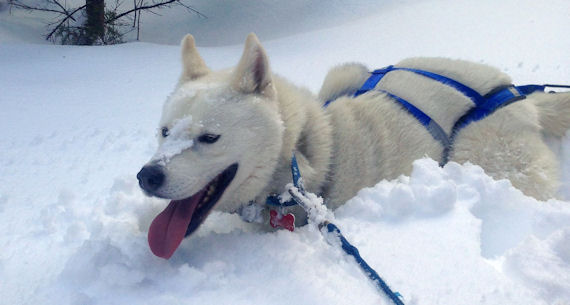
[
  {"x": 373, "y": 80},
  {"x": 498, "y": 98},
  {"x": 432, "y": 126},
  {"x": 377, "y": 75},
  {"x": 484, "y": 105}
]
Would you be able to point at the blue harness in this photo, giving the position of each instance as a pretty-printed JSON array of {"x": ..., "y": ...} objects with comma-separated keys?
[{"x": 484, "y": 105}]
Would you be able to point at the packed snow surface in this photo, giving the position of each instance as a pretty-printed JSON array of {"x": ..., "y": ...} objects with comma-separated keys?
[{"x": 79, "y": 122}]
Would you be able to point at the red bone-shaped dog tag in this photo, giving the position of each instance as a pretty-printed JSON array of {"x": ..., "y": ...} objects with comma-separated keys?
[{"x": 278, "y": 220}]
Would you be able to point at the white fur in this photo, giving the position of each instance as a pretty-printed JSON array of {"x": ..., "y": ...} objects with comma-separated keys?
[{"x": 353, "y": 143}]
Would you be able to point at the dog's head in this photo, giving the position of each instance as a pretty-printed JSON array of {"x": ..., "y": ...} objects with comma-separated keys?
[{"x": 219, "y": 142}]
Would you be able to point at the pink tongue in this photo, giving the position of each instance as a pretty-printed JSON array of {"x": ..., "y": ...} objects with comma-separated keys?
[{"x": 168, "y": 228}]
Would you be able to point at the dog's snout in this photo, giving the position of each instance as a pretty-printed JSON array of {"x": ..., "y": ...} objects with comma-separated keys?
[{"x": 151, "y": 177}]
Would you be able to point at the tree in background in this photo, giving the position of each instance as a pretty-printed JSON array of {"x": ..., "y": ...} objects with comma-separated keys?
[{"x": 94, "y": 22}]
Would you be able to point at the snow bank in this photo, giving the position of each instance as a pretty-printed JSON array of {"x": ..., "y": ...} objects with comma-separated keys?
[
  {"x": 436, "y": 236},
  {"x": 488, "y": 226}
]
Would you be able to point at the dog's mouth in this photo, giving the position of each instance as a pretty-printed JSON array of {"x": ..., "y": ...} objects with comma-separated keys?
[{"x": 182, "y": 217}]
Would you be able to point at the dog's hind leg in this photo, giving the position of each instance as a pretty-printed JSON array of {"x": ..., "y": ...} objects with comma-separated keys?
[{"x": 509, "y": 145}]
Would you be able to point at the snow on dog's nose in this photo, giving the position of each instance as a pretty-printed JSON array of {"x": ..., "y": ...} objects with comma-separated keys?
[{"x": 151, "y": 177}]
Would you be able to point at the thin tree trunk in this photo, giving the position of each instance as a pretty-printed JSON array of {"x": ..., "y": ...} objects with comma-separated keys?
[{"x": 95, "y": 25}]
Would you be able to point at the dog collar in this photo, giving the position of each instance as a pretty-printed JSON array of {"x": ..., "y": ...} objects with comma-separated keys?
[{"x": 278, "y": 216}]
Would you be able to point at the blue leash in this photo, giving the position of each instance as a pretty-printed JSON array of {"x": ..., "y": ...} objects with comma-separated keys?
[
  {"x": 484, "y": 106},
  {"x": 372, "y": 274},
  {"x": 333, "y": 229}
]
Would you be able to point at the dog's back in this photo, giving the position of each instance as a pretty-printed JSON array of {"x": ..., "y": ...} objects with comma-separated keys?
[{"x": 507, "y": 143}]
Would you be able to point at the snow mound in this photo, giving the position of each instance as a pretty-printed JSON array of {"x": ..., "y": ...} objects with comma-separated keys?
[{"x": 449, "y": 233}]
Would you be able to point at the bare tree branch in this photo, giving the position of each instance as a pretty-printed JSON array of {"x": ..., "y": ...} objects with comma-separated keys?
[
  {"x": 151, "y": 6},
  {"x": 193, "y": 10},
  {"x": 63, "y": 11},
  {"x": 62, "y": 8},
  {"x": 144, "y": 7},
  {"x": 48, "y": 37},
  {"x": 153, "y": 12},
  {"x": 32, "y": 8}
]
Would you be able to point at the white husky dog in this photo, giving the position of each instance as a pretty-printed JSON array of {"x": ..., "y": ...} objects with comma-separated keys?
[{"x": 226, "y": 137}]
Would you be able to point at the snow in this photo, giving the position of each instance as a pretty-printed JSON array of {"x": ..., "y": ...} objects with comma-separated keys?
[
  {"x": 317, "y": 212},
  {"x": 79, "y": 122},
  {"x": 177, "y": 141}
]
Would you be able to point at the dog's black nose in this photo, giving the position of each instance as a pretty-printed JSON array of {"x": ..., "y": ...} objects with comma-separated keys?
[{"x": 151, "y": 177}]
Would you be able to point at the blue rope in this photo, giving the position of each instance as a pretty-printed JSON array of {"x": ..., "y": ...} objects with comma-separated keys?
[{"x": 346, "y": 246}]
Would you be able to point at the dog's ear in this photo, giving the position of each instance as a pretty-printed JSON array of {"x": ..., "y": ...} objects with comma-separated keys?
[
  {"x": 252, "y": 74},
  {"x": 193, "y": 65}
]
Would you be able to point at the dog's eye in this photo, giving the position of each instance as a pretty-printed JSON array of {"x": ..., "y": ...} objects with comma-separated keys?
[
  {"x": 164, "y": 131},
  {"x": 208, "y": 138}
]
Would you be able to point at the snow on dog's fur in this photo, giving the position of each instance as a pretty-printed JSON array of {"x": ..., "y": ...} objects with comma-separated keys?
[{"x": 226, "y": 137}]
